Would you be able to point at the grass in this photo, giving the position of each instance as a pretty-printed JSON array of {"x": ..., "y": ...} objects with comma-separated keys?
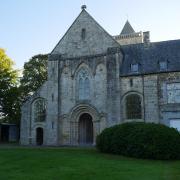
[{"x": 80, "y": 163}]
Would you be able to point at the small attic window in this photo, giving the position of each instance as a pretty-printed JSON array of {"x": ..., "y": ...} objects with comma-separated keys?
[
  {"x": 83, "y": 34},
  {"x": 163, "y": 65},
  {"x": 135, "y": 67}
]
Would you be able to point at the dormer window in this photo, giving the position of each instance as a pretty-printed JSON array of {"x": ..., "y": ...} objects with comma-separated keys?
[
  {"x": 83, "y": 34},
  {"x": 135, "y": 67},
  {"x": 163, "y": 65}
]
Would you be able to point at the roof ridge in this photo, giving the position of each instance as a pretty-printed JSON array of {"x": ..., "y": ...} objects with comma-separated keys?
[{"x": 84, "y": 11}]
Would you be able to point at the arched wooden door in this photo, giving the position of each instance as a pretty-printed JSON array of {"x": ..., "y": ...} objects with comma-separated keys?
[
  {"x": 39, "y": 136},
  {"x": 85, "y": 129}
]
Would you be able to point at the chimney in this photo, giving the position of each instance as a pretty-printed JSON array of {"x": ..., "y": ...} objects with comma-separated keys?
[{"x": 146, "y": 37}]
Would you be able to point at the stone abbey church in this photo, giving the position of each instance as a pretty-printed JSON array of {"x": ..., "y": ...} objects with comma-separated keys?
[{"x": 96, "y": 80}]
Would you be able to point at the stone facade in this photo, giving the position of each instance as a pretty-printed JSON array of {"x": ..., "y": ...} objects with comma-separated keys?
[
  {"x": 134, "y": 38},
  {"x": 129, "y": 36},
  {"x": 88, "y": 87}
]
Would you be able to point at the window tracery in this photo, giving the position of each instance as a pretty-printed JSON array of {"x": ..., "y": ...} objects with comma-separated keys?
[
  {"x": 83, "y": 85},
  {"x": 39, "y": 110}
]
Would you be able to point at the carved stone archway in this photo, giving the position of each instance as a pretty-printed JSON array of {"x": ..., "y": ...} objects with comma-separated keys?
[
  {"x": 75, "y": 117},
  {"x": 85, "y": 130}
]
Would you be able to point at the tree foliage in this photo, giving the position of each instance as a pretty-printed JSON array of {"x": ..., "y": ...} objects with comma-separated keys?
[
  {"x": 13, "y": 90},
  {"x": 9, "y": 101},
  {"x": 34, "y": 74}
]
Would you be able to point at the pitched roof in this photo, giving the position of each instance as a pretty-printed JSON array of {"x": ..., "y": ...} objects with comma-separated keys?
[
  {"x": 97, "y": 40},
  {"x": 127, "y": 29},
  {"x": 148, "y": 57}
]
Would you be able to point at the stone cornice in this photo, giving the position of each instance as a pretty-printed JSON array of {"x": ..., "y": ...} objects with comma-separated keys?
[{"x": 57, "y": 57}]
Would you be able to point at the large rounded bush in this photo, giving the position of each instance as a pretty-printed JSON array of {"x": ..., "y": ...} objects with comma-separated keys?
[{"x": 140, "y": 140}]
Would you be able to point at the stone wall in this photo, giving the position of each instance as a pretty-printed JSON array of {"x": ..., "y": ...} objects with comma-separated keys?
[
  {"x": 113, "y": 88},
  {"x": 131, "y": 85},
  {"x": 100, "y": 86},
  {"x": 135, "y": 38},
  {"x": 102, "y": 59},
  {"x": 168, "y": 111},
  {"x": 28, "y": 125},
  {"x": 25, "y": 135},
  {"x": 53, "y": 104},
  {"x": 151, "y": 103},
  {"x": 146, "y": 88},
  {"x": 107, "y": 98},
  {"x": 96, "y": 40}
]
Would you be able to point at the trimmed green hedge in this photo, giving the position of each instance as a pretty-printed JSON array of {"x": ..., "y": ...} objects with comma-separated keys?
[{"x": 140, "y": 140}]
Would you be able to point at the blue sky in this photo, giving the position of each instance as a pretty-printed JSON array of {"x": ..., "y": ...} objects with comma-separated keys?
[{"x": 30, "y": 27}]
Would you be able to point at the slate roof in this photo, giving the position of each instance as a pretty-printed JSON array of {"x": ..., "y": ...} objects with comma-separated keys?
[
  {"x": 127, "y": 29},
  {"x": 149, "y": 55}
]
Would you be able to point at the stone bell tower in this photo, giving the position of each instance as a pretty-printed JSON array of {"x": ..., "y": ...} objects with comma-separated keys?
[{"x": 129, "y": 36}]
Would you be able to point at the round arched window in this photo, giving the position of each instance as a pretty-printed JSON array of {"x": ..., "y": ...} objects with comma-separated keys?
[{"x": 133, "y": 107}]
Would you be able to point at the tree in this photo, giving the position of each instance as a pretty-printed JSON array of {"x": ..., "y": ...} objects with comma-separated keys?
[
  {"x": 12, "y": 105},
  {"x": 8, "y": 89},
  {"x": 11, "y": 93},
  {"x": 34, "y": 74}
]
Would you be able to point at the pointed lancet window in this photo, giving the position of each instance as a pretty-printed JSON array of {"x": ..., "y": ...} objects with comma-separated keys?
[
  {"x": 83, "y": 85},
  {"x": 83, "y": 34},
  {"x": 39, "y": 110}
]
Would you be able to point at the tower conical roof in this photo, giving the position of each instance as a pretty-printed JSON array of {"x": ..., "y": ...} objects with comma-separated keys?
[{"x": 127, "y": 29}]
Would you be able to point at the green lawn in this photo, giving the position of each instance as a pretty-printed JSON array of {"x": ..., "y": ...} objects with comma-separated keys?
[{"x": 80, "y": 163}]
